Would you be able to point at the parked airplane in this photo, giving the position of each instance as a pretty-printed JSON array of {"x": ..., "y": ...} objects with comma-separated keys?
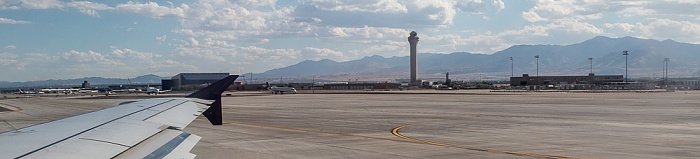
[
  {"x": 156, "y": 91},
  {"x": 281, "y": 90},
  {"x": 149, "y": 128},
  {"x": 19, "y": 91}
]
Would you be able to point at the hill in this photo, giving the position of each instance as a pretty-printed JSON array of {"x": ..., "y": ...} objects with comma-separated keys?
[
  {"x": 645, "y": 60},
  {"x": 145, "y": 79}
]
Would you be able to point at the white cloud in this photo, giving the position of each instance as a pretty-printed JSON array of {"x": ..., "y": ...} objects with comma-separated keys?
[
  {"x": 192, "y": 42},
  {"x": 489, "y": 42},
  {"x": 392, "y": 13},
  {"x": 88, "y": 8},
  {"x": 594, "y": 9},
  {"x": 85, "y": 7},
  {"x": 271, "y": 55},
  {"x": 152, "y": 9},
  {"x": 204, "y": 54},
  {"x": 364, "y": 34},
  {"x": 323, "y": 53},
  {"x": 666, "y": 28},
  {"x": 625, "y": 27},
  {"x": 6, "y": 62},
  {"x": 217, "y": 43},
  {"x": 684, "y": 1},
  {"x": 531, "y": 16},
  {"x": 146, "y": 57},
  {"x": 161, "y": 39},
  {"x": 7, "y": 59},
  {"x": 553, "y": 9},
  {"x": 12, "y": 21},
  {"x": 636, "y": 11},
  {"x": 655, "y": 28},
  {"x": 89, "y": 57},
  {"x": 11, "y": 47},
  {"x": 170, "y": 67},
  {"x": 372, "y": 6},
  {"x": 480, "y": 6},
  {"x": 386, "y": 49},
  {"x": 30, "y": 4}
]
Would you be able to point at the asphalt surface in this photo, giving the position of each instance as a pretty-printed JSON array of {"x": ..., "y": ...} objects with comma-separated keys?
[{"x": 467, "y": 124}]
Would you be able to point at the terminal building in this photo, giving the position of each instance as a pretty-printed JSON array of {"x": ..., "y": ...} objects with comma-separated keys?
[{"x": 591, "y": 79}]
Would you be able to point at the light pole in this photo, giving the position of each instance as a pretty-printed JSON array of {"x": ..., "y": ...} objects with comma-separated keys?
[
  {"x": 313, "y": 84},
  {"x": 511, "y": 67},
  {"x": 625, "y": 52},
  {"x": 665, "y": 70},
  {"x": 591, "y": 60},
  {"x": 537, "y": 70}
]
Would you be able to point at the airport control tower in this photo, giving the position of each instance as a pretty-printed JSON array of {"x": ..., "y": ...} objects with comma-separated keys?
[{"x": 413, "y": 40}]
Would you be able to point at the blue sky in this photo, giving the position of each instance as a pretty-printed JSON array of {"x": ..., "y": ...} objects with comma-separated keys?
[{"x": 54, "y": 39}]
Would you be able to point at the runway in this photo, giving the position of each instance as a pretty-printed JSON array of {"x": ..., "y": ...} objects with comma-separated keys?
[{"x": 467, "y": 124}]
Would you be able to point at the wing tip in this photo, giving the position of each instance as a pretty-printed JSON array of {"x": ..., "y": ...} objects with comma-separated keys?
[{"x": 213, "y": 92}]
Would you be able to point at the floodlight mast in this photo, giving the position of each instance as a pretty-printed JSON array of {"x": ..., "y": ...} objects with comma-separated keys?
[
  {"x": 625, "y": 52},
  {"x": 591, "y": 61}
]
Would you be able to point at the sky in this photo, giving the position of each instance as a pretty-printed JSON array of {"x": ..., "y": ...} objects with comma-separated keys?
[{"x": 66, "y": 39}]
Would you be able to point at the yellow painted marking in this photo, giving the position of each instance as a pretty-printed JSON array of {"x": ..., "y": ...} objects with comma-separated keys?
[
  {"x": 395, "y": 131},
  {"x": 314, "y": 131}
]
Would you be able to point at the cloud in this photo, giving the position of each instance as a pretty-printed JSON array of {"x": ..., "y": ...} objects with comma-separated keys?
[
  {"x": 192, "y": 42},
  {"x": 152, "y": 9},
  {"x": 30, "y": 4},
  {"x": 11, "y": 47},
  {"x": 391, "y": 13},
  {"x": 170, "y": 67},
  {"x": 322, "y": 53},
  {"x": 372, "y": 6},
  {"x": 209, "y": 42},
  {"x": 271, "y": 55},
  {"x": 7, "y": 59},
  {"x": 562, "y": 31},
  {"x": 89, "y": 57},
  {"x": 364, "y": 34},
  {"x": 665, "y": 28},
  {"x": 161, "y": 39},
  {"x": 548, "y": 10},
  {"x": 145, "y": 57},
  {"x": 480, "y": 6},
  {"x": 85, "y": 7},
  {"x": 625, "y": 27},
  {"x": 204, "y": 54},
  {"x": 12, "y": 21}
]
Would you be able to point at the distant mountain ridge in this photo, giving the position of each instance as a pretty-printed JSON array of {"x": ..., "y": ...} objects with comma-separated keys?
[
  {"x": 145, "y": 79},
  {"x": 645, "y": 59}
]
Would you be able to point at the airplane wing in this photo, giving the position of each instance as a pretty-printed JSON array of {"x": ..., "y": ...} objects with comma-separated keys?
[{"x": 150, "y": 128}]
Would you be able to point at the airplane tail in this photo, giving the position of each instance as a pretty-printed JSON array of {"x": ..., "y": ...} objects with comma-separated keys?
[{"x": 213, "y": 92}]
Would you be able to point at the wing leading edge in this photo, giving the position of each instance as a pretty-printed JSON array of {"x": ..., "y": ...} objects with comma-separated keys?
[{"x": 150, "y": 128}]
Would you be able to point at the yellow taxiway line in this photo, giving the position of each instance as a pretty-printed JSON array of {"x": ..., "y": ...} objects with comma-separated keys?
[{"x": 395, "y": 131}]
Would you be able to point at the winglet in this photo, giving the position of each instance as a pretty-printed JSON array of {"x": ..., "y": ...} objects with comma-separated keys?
[{"x": 213, "y": 92}]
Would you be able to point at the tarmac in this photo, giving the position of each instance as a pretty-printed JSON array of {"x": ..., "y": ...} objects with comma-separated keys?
[{"x": 424, "y": 124}]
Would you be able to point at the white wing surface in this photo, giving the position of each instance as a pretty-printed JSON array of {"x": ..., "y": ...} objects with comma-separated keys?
[{"x": 150, "y": 128}]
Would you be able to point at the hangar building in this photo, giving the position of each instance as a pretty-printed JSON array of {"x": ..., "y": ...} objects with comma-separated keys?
[{"x": 184, "y": 81}]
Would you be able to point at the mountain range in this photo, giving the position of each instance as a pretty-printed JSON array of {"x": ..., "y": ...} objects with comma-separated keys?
[
  {"x": 645, "y": 59},
  {"x": 145, "y": 79}
]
